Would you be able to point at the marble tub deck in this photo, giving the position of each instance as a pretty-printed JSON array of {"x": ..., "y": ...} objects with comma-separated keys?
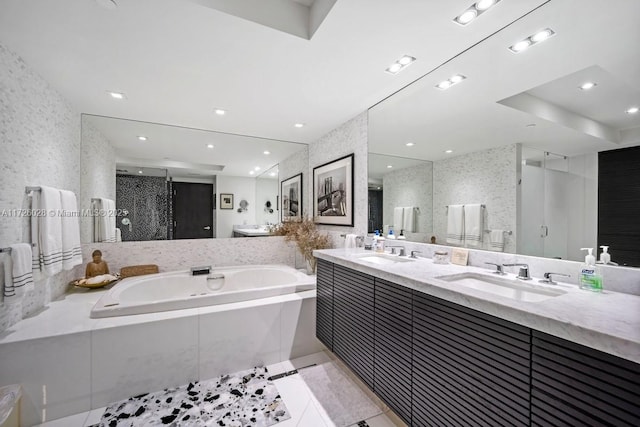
[{"x": 307, "y": 387}]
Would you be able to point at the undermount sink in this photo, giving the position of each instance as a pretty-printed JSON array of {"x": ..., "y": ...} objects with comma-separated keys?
[
  {"x": 383, "y": 259},
  {"x": 519, "y": 291}
]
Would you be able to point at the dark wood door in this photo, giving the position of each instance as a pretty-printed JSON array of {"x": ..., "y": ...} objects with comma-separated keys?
[{"x": 192, "y": 210}]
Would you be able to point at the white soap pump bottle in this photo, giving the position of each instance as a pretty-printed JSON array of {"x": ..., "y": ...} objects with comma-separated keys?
[{"x": 605, "y": 256}]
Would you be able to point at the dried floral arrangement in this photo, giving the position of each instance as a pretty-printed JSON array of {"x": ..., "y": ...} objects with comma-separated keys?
[{"x": 306, "y": 235}]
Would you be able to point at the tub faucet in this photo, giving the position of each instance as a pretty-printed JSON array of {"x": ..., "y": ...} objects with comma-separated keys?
[
  {"x": 197, "y": 271},
  {"x": 524, "y": 270}
]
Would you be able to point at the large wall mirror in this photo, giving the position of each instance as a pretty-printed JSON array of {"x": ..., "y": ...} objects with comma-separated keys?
[
  {"x": 171, "y": 182},
  {"x": 518, "y": 132}
]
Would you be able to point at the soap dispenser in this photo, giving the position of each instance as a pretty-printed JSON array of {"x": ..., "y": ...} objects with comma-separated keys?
[
  {"x": 402, "y": 236},
  {"x": 391, "y": 235},
  {"x": 590, "y": 276},
  {"x": 605, "y": 256}
]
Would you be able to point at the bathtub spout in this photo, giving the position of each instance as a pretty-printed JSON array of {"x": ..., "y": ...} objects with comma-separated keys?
[{"x": 196, "y": 271}]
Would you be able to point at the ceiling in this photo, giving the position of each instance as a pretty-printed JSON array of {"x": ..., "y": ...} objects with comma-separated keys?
[{"x": 178, "y": 60}]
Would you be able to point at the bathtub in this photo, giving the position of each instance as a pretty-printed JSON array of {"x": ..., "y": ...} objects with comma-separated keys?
[{"x": 180, "y": 290}]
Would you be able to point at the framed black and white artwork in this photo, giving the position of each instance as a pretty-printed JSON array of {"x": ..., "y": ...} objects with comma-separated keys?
[
  {"x": 226, "y": 201},
  {"x": 333, "y": 192},
  {"x": 291, "y": 190}
]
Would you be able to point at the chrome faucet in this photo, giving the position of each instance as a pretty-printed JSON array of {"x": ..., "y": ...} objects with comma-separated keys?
[
  {"x": 393, "y": 250},
  {"x": 548, "y": 279},
  {"x": 524, "y": 271},
  {"x": 413, "y": 254},
  {"x": 499, "y": 270}
]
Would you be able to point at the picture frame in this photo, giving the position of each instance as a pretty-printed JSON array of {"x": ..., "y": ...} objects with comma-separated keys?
[
  {"x": 291, "y": 201},
  {"x": 226, "y": 201},
  {"x": 333, "y": 192}
]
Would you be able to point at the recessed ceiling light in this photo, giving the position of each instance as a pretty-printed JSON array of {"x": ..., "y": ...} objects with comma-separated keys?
[
  {"x": 117, "y": 95},
  {"x": 446, "y": 84},
  {"x": 473, "y": 11},
  {"x": 299, "y": 125},
  {"x": 632, "y": 110},
  {"x": 389, "y": 166},
  {"x": 251, "y": 172},
  {"x": 400, "y": 64},
  {"x": 379, "y": 188},
  {"x": 449, "y": 151},
  {"x": 209, "y": 145},
  {"x": 142, "y": 138},
  {"x": 257, "y": 168},
  {"x": 409, "y": 144},
  {"x": 266, "y": 152},
  {"x": 485, "y": 4},
  {"x": 220, "y": 111},
  {"x": 272, "y": 174},
  {"x": 531, "y": 40},
  {"x": 588, "y": 85},
  {"x": 139, "y": 171}
]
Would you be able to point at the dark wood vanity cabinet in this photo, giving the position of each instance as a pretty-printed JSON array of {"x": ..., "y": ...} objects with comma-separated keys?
[
  {"x": 353, "y": 321},
  {"x": 576, "y": 385},
  {"x": 324, "y": 303},
  {"x": 437, "y": 363},
  {"x": 392, "y": 346},
  {"x": 469, "y": 368}
]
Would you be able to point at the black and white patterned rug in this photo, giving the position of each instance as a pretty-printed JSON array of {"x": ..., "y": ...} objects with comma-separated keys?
[{"x": 243, "y": 399}]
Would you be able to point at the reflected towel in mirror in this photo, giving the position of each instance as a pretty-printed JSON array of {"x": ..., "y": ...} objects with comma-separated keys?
[
  {"x": 350, "y": 241},
  {"x": 455, "y": 224},
  {"x": 473, "y": 225},
  {"x": 496, "y": 240}
]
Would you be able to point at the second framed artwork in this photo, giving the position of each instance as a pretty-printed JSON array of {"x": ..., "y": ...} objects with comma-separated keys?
[
  {"x": 226, "y": 201},
  {"x": 291, "y": 190},
  {"x": 333, "y": 192}
]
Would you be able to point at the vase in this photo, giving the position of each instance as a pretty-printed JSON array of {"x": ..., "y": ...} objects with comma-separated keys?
[{"x": 311, "y": 266}]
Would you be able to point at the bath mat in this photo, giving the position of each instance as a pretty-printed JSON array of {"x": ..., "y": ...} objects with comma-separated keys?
[
  {"x": 344, "y": 402},
  {"x": 243, "y": 399}
]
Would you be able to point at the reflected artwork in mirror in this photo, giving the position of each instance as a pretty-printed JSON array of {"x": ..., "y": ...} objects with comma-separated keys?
[
  {"x": 166, "y": 178},
  {"x": 291, "y": 191},
  {"x": 522, "y": 132}
]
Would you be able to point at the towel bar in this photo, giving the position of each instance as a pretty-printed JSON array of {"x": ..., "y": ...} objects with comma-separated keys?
[
  {"x": 28, "y": 190},
  {"x": 509, "y": 232},
  {"x": 483, "y": 206},
  {"x": 8, "y": 250}
]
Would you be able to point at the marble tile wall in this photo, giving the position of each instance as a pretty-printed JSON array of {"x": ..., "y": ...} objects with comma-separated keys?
[
  {"x": 97, "y": 173},
  {"x": 488, "y": 177},
  {"x": 410, "y": 187},
  {"x": 351, "y": 137},
  {"x": 40, "y": 140},
  {"x": 172, "y": 255}
]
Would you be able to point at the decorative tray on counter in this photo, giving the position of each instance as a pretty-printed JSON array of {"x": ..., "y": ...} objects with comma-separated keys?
[{"x": 93, "y": 284}]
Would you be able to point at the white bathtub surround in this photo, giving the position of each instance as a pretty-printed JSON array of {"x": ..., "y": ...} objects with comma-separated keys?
[
  {"x": 241, "y": 398},
  {"x": 88, "y": 363}
]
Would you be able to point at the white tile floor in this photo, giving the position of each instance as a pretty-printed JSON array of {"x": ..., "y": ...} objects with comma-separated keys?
[{"x": 305, "y": 408}]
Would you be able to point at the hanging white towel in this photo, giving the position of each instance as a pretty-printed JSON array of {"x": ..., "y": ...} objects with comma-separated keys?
[
  {"x": 105, "y": 222},
  {"x": 71, "y": 250},
  {"x": 46, "y": 231},
  {"x": 409, "y": 222},
  {"x": 473, "y": 225},
  {"x": 455, "y": 224},
  {"x": 398, "y": 218},
  {"x": 496, "y": 240},
  {"x": 118, "y": 235},
  {"x": 21, "y": 272},
  {"x": 350, "y": 241}
]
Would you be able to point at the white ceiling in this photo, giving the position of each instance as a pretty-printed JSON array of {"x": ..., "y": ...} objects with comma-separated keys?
[{"x": 177, "y": 60}]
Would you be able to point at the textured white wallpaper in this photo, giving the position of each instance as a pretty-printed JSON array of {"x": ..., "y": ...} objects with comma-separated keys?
[
  {"x": 351, "y": 137},
  {"x": 40, "y": 140},
  {"x": 488, "y": 177},
  {"x": 411, "y": 186},
  {"x": 98, "y": 173}
]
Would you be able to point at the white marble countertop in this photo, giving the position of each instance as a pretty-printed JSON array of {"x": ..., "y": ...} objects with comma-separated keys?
[{"x": 607, "y": 321}]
